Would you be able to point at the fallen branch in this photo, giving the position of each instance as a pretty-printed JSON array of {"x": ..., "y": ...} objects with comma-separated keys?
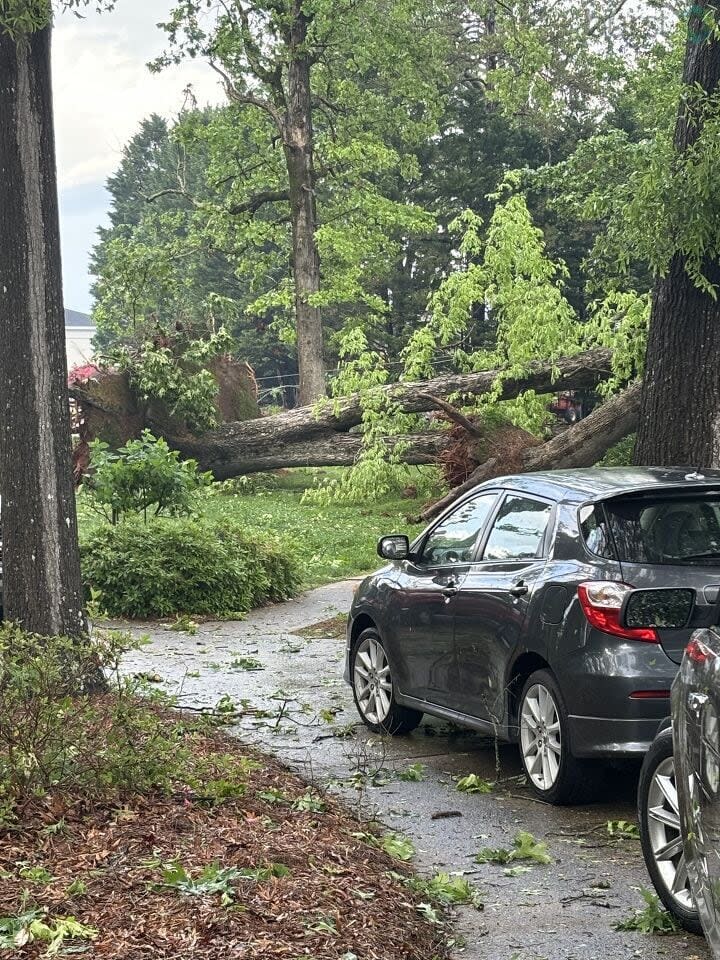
[{"x": 579, "y": 446}]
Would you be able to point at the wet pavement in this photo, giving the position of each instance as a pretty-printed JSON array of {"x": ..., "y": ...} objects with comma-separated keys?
[{"x": 297, "y": 706}]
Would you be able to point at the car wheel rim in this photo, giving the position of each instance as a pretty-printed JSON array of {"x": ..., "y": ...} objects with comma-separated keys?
[
  {"x": 373, "y": 684},
  {"x": 540, "y": 737},
  {"x": 663, "y": 820}
]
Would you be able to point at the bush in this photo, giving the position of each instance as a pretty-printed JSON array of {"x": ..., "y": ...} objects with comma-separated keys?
[
  {"x": 56, "y": 734},
  {"x": 621, "y": 455},
  {"x": 181, "y": 566},
  {"x": 60, "y": 734},
  {"x": 144, "y": 475}
]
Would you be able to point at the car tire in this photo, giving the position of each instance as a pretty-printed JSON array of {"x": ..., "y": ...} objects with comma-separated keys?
[
  {"x": 660, "y": 826},
  {"x": 553, "y": 774},
  {"x": 374, "y": 690}
]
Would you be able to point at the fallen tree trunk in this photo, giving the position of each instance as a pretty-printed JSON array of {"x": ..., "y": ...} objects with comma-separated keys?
[
  {"x": 338, "y": 450},
  {"x": 579, "y": 446},
  {"x": 319, "y": 436},
  {"x": 311, "y": 436}
]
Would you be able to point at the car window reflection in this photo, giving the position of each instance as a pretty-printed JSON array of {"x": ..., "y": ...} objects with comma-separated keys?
[
  {"x": 453, "y": 541},
  {"x": 518, "y": 531}
]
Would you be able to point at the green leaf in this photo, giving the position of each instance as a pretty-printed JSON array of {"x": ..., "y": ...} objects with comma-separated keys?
[{"x": 472, "y": 783}]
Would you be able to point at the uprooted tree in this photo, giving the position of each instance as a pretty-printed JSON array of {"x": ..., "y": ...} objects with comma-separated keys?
[{"x": 326, "y": 435}]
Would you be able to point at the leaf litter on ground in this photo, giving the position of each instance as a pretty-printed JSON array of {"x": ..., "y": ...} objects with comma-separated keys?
[{"x": 246, "y": 872}]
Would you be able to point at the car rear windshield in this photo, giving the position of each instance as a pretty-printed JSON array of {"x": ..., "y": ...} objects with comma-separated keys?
[{"x": 657, "y": 530}]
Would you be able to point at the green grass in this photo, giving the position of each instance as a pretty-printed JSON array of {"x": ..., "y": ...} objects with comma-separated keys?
[{"x": 333, "y": 542}]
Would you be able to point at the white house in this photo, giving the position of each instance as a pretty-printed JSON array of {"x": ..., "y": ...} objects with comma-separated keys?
[{"x": 79, "y": 331}]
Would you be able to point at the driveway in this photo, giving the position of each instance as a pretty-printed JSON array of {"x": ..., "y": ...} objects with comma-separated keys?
[{"x": 289, "y": 682}]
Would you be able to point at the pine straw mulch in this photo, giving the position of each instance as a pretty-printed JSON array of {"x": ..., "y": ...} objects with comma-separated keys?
[{"x": 335, "y": 879}]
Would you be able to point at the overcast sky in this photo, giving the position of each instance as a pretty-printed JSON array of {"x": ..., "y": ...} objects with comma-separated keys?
[{"x": 102, "y": 91}]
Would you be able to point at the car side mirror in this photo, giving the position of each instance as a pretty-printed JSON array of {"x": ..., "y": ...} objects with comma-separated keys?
[
  {"x": 663, "y": 608},
  {"x": 394, "y": 547}
]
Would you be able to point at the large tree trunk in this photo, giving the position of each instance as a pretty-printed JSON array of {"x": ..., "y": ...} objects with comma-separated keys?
[
  {"x": 41, "y": 566},
  {"x": 680, "y": 413},
  {"x": 579, "y": 446},
  {"x": 308, "y": 437},
  {"x": 299, "y": 148}
]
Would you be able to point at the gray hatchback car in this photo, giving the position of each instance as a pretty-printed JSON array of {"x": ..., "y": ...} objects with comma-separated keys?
[{"x": 510, "y": 614}]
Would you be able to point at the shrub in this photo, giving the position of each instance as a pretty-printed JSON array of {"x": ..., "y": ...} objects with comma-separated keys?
[
  {"x": 621, "y": 455},
  {"x": 57, "y": 734},
  {"x": 180, "y": 566},
  {"x": 144, "y": 475}
]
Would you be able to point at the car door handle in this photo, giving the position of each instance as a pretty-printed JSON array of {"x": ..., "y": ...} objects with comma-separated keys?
[
  {"x": 449, "y": 592},
  {"x": 519, "y": 590}
]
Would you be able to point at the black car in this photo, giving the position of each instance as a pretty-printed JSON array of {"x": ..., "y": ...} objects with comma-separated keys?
[
  {"x": 679, "y": 794},
  {"x": 509, "y": 614}
]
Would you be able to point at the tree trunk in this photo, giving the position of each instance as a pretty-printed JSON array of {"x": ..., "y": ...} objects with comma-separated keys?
[
  {"x": 284, "y": 439},
  {"x": 299, "y": 147},
  {"x": 590, "y": 439},
  {"x": 680, "y": 412},
  {"x": 579, "y": 446},
  {"x": 41, "y": 565}
]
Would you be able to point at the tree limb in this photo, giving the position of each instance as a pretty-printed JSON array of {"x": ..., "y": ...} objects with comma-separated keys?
[
  {"x": 253, "y": 204},
  {"x": 449, "y": 410},
  {"x": 250, "y": 99}
]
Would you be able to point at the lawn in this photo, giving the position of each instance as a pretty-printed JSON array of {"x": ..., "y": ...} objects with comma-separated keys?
[{"x": 334, "y": 541}]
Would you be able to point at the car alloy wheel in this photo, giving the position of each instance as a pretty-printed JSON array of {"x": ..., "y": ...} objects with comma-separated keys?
[
  {"x": 663, "y": 829},
  {"x": 540, "y": 737},
  {"x": 373, "y": 684}
]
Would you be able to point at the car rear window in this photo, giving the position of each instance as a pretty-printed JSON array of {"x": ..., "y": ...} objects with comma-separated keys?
[{"x": 662, "y": 530}]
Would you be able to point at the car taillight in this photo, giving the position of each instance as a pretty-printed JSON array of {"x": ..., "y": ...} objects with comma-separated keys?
[
  {"x": 601, "y": 601},
  {"x": 699, "y": 652}
]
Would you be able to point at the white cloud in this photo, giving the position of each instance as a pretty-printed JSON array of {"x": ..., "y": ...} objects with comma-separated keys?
[{"x": 103, "y": 89}]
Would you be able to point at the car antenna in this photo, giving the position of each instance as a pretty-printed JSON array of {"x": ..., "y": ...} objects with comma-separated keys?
[{"x": 695, "y": 475}]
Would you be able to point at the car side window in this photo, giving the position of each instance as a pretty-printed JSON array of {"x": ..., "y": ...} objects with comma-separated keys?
[
  {"x": 518, "y": 530},
  {"x": 455, "y": 537},
  {"x": 595, "y": 531}
]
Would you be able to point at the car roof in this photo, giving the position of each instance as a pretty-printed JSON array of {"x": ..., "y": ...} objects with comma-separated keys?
[{"x": 602, "y": 483}]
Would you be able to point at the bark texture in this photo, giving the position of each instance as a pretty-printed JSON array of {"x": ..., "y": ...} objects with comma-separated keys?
[
  {"x": 680, "y": 413},
  {"x": 308, "y": 436},
  {"x": 299, "y": 149},
  {"x": 41, "y": 565}
]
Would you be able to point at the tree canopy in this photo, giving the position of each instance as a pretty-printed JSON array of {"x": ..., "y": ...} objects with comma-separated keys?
[{"x": 492, "y": 184}]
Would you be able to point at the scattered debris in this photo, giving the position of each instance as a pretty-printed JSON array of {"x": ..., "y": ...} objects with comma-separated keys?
[{"x": 525, "y": 847}]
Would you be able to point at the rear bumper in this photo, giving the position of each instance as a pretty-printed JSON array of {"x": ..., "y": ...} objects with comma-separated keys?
[
  {"x": 616, "y": 693},
  {"x": 602, "y": 737}
]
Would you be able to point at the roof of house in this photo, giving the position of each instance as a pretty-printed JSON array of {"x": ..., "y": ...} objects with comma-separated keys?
[{"x": 75, "y": 319}]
